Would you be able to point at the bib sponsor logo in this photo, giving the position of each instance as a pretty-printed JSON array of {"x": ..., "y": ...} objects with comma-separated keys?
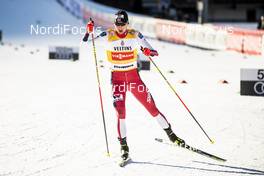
[
  {"x": 123, "y": 67},
  {"x": 122, "y": 55},
  {"x": 122, "y": 48}
]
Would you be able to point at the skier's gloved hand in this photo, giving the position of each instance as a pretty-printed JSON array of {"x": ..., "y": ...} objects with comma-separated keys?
[
  {"x": 85, "y": 38},
  {"x": 90, "y": 26},
  {"x": 89, "y": 30},
  {"x": 149, "y": 52}
]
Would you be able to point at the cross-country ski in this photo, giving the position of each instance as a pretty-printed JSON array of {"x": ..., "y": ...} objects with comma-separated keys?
[{"x": 192, "y": 149}]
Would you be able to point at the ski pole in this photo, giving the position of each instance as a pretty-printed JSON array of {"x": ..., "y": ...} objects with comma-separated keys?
[
  {"x": 180, "y": 99},
  {"x": 99, "y": 86}
]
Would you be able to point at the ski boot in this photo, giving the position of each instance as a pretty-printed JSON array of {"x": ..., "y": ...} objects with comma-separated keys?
[
  {"x": 173, "y": 138},
  {"x": 124, "y": 152}
]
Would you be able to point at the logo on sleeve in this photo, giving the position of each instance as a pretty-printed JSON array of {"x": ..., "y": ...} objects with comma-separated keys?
[
  {"x": 140, "y": 35},
  {"x": 103, "y": 34}
]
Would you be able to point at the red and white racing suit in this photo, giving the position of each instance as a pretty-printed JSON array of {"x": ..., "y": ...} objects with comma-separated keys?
[{"x": 122, "y": 54}]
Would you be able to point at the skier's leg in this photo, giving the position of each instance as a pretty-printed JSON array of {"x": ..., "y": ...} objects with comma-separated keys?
[
  {"x": 141, "y": 92},
  {"x": 119, "y": 99},
  {"x": 162, "y": 121},
  {"x": 143, "y": 95}
]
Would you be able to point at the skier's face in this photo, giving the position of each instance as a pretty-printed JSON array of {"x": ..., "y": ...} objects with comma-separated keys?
[{"x": 121, "y": 28}]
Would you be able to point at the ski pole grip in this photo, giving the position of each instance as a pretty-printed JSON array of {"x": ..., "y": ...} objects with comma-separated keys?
[{"x": 85, "y": 38}]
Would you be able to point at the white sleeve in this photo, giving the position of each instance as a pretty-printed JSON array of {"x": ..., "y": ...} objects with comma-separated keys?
[
  {"x": 142, "y": 41},
  {"x": 102, "y": 36}
]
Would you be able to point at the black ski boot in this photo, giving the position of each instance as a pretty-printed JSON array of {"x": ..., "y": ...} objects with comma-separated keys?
[
  {"x": 173, "y": 138},
  {"x": 124, "y": 148}
]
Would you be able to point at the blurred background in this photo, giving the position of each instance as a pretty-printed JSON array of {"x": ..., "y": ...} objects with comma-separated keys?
[{"x": 188, "y": 10}]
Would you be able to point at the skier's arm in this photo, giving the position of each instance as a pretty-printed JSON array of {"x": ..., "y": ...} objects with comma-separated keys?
[
  {"x": 90, "y": 30},
  {"x": 101, "y": 36},
  {"x": 145, "y": 47}
]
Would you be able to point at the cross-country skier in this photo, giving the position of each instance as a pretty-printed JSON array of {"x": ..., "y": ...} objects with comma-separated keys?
[{"x": 122, "y": 46}]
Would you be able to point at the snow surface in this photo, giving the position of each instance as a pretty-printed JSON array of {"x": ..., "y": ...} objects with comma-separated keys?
[{"x": 50, "y": 117}]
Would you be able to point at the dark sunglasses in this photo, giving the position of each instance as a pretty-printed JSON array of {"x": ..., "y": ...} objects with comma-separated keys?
[{"x": 120, "y": 24}]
